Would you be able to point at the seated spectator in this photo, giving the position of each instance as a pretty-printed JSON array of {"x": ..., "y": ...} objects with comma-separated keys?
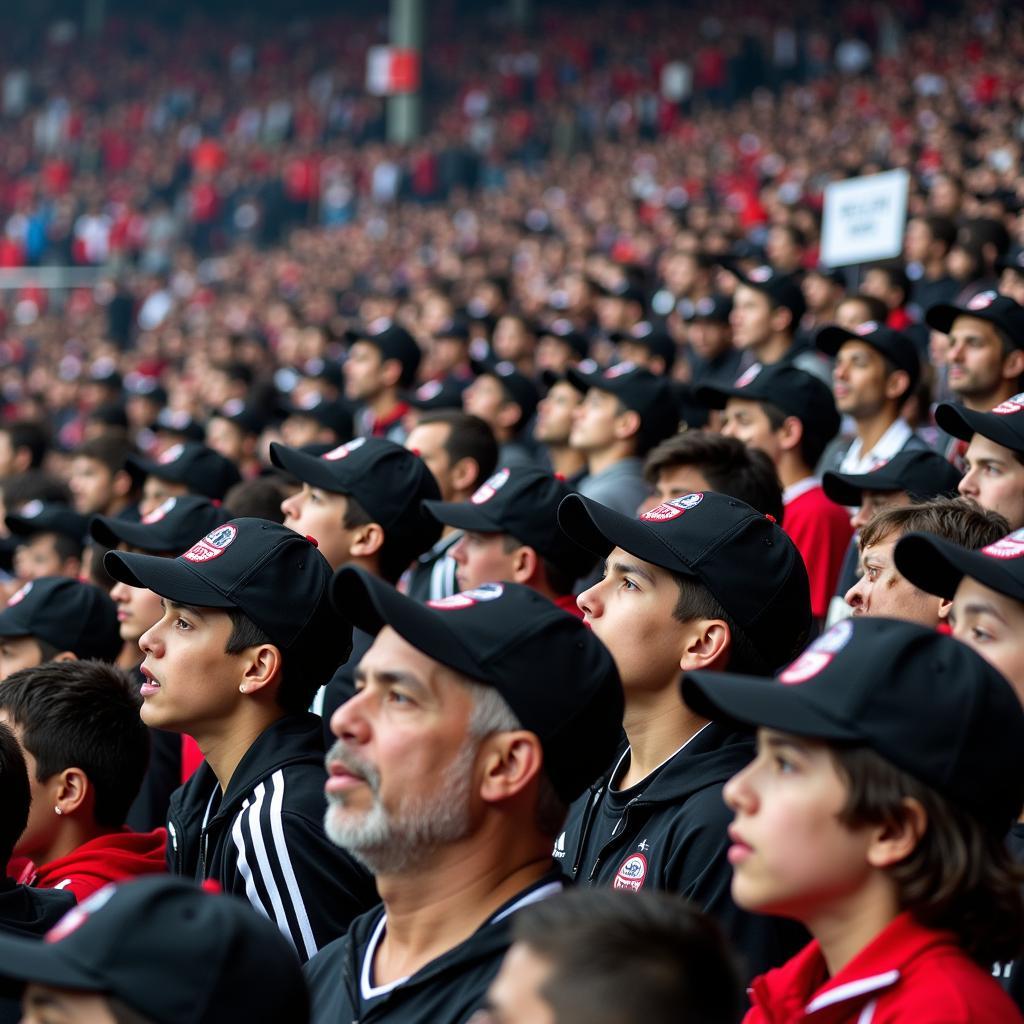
[
  {"x": 881, "y": 798},
  {"x": 382, "y": 362},
  {"x": 552, "y": 429},
  {"x": 23, "y": 446},
  {"x": 712, "y": 356},
  {"x": 57, "y": 619},
  {"x": 87, "y": 750},
  {"x": 158, "y": 951},
  {"x": 50, "y": 540},
  {"x": 505, "y": 399},
  {"x": 233, "y": 430},
  {"x": 257, "y": 498},
  {"x": 317, "y": 420},
  {"x": 187, "y": 468},
  {"x": 99, "y": 479}
]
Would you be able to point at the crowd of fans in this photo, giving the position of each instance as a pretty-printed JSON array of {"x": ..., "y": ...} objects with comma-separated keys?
[{"x": 393, "y": 537}]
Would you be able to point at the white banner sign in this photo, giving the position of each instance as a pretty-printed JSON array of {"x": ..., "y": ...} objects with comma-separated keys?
[{"x": 864, "y": 219}]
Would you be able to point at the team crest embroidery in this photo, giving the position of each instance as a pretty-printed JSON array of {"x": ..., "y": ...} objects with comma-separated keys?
[
  {"x": 618, "y": 370},
  {"x": 344, "y": 450},
  {"x": 642, "y": 329},
  {"x": 982, "y": 300},
  {"x": 759, "y": 275},
  {"x": 490, "y": 487},
  {"x": 213, "y": 545},
  {"x": 1010, "y": 406},
  {"x": 673, "y": 509},
  {"x": 19, "y": 595},
  {"x": 430, "y": 390},
  {"x": 631, "y": 874},
  {"x": 172, "y": 454},
  {"x": 819, "y": 655},
  {"x": 77, "y": 916},
  {"x": 160, "y": 512},
  {"x": 1010, "y": 546},
  {"x": 749, "y": 375},
  {"x": 868, "y": 327},
  {"x": 31, "y": 509},
  {"x": 468, "y": 598}
]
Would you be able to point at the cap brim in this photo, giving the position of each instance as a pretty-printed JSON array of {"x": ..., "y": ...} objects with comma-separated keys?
[
  {"x": 32, "y": 960},
  {"x": 171, "y": 578},
  {"x": 371, "y": 604},
  {"x": 583, "y": 382},
  {"x": 848, "y": 488},
  {"x": 310, "y": 469},
  {"x": 11, "y": 624},
  {"x": 755, "y": 701},
  {"x": 965, "y": 423},
  {"x": 463, "y": 515},
  {"x": 716, "y": 397},
  {"x": 161, "y": 470},
  {"x": 111, "y": 531},
  {"x": 832, "y": 338},
  {"x": 941, "y": 317},
  {"x": 937, "y": 566}
]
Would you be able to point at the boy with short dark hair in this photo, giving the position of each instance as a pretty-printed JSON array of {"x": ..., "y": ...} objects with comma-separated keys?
[{"x": 890, "y": 764}]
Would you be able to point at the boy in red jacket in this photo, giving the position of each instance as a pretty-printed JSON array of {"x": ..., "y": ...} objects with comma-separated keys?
[
  {"x": 86, "y": 749},
  {"x": 890, "y": 765}
]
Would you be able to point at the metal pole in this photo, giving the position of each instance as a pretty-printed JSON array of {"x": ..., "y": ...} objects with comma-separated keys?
[{"x": 404, "y": 111}]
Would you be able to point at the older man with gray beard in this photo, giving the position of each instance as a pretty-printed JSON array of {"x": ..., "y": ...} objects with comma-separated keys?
[{"x": 477, "y": 719}]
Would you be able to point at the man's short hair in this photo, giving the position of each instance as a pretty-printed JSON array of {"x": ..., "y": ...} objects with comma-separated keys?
[
  {"x": 31, "y": 435},
  {"x": 64, "y": 547},
  {"x": 630, "y": 957},
  {"x": 15, "y": 794},
  {"x": 468, "y": 437},
  {"x": 34, "y": 485},
  {"x": 896, "y": 277},
  {"x": 877, "y": 310},
  {"x": 82, "y": 714},
  {"x": 111, "y": 449},
  {"x": 728, "y": 465},
  {"x": 942, "y": 229},
  {"x": 961, "y": 521}
]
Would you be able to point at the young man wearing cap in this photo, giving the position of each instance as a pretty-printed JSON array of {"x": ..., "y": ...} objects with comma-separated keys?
[
  {"x": 98, "y": 478},
  {"x": 701, "y": 581},
  {"x": 314, "y": 419},
  {"x": 790, "y": 415},
  {"x": 505, "y": 399},
  {"x": 1011, "y": 274},
  {"x": 647, "y": 345},
  {"x": 559, "y": 346},
  {"x": 890, "y": 764},
  {"x": 553, "y": 428},
  {"x": 876, "y": 369},
  {"x": 157, "y": 951},
  {"x": 234, "y": 431},
  {"x": 625, "y": 412},
  {"x": 57, "y": 619},
  {"x": 461, "y": 452},
  {"x": 881, "y": 589},
  {"x": 712, "y": 357},
  {"x": 246, "y": 638},
  {"x": 510, "y": 533},
  {"x": 187, "y": 468},
  {"x": 50, "y": 540},
  {"x": 477, "y": 720},
  {"x": 994, "y": 458},
  {"x": 381, "y": 363}
]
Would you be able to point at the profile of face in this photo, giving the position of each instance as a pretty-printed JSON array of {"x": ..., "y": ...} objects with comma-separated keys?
[
  {"x": 18, "y": 652},
  {"x": 39, "y": 556},
  {"x": 555, "y": 414},
  {"x": 91, "y": 484},
  {"x": 883, "y": 591},
  {"x": 747, "y": 421},
  {"x": 516, "y": 994},
  {"x": 44, "y": 1004},
  {"x": 994, "y": 479}
]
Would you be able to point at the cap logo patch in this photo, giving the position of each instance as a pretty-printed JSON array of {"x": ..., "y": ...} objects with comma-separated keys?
[
  {"x": 982, "y": 300},
  {"x": 1011, "y": 405},
  {"x": 489, "y": 487},
  {"x": 172, "y": 454},
  {"x": 213, "y": 545},
  {"x": 631, "y": 874},
  {"x": 642, "y": 329},
  {"x": 31, "y": 509},
  {"x": 618, "y": 370},
  {"x": 504, "y": 368},
  {"x": 818, "y": 656},
  {"x": 673, "y": 509},
  {"x": 1010, "y": 546},
  {"x": 377, "y": 326},
  {"x": 233, "y": 406},
  {"x": 19, "y": 595},
  {"x": 749, "y": 375},
  {"x": 561, "y": 327},
  {"x": 760, "y": 274},
  {"x": 159, "y": 512},
  {"x": 468, "y": 598},
  {"x": 77, "y": 916},
  {"x": 704, "y": 306},
  {"x": 344, "y": 450},
  {"x": 868, "y": 327},
  {"x": 429, "y": 390}
]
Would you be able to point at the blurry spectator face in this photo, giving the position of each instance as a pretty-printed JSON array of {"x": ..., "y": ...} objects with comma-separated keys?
[
  {"x": 226, "y": 438},
  {"x": 16, "y": 653},
  {"x": 873, "y": 501},
  {"x": 751, "y": 317},
  {"x": 515, "y": 995},
  {"x": 137, "y": 610},
  {"x": 555, "y": 414},
  {"x": 485, "y": 558},
  {"x": 428, "y": 441},
  {"x": 39, "y": 557},
  {"x": 7, "y": 462},
  {"x": 859, "y": 380},
  {"x": 916, "y": 241},
  {"x": 617, "y": 314},
  {"x": 554, "y": 354},
  {"x": 312, "y": 512},
  {"x": 156, "y": 491},
  {"x": 485, "y": 398},
  {"x": 820, "y": 293},
  {"x": 297, "y": 431},
  {"x": 782, "y": 250},
  {"x": 976, "y": 363},
  {"x": 1011, "y": 284},
  {"x": 994, "y": 479},
  {"x": 681, "y": 273},
  {"x": 630, "y": 610},
  {"x": 993, "y": 624},
  {"x": 512, "y": 340},
  {"x": 709, "y": 339},
  {"x": 675, "y": 481},
  {"x": 597, "y": 422},
  {"x": 748, "y": 422},
  {"x": 851, "y": 313},
  {"x": 882, "y": 591},
  {"x": 876, "y": 283},
  {"x": 91, "y": 484},
  {"x": 42, "y": 1004},
  {"x": 448, "y": 354},
  {"x": 365, "y": 372}
]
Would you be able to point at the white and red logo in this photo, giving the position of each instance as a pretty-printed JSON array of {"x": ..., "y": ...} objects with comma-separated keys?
[
  {"x": 673, "y": 509},
  {"x": 982, "y": 300},
  {"x": 819, "y": 655},
  {"x": 213, "y": 545},
  {"x": 468, "y": 598},
  {"x": 749, "y": 375},
  {"x": 1010, "y": 546},
  {"x": 631, "y": 874},
  {"x": 1010, "y": 406},
  {"x": 160, "y": 512},
  {"x": 31, "y": 509},
  {"x": 171, "y": 454},
  {"x": 760, "y": 275},
  {"x": 490, "y": 487},
  {"x": 19, "y": 595},
  {"x": 619, "y": 370},
  {"x": 77, "y": 916},
  {"x": 344, "y": 450},
  {"x": 425, "y": 392},
  {"x": 868, "y": 327}
]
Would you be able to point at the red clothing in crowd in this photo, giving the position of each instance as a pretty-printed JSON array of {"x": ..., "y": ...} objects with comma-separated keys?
[
  {"x": 567, "y": 602},
  {"x": 907, "y": 973},
  {"x": 109, "y": 858},
  {"x": 821, "y": 531}
]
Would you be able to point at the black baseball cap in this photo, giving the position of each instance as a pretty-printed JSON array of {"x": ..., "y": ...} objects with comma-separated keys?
[
  {"x": 275, "y": 577},
  {"x": 517, "y": 386},
  {"x": 922, "y": 474},
  {"x": 68, "y": 614},
  {"x": 796, "y": 392},
  {"x": 923, "y": 701},
  {"x": 179, "y": 423},
  {"x": 199, "y": 468},
  {"x": 455, "y": 328},
  {"x": 625, "y": 289},
  {"x": 743, "y": 558},
  {"x": 439, "y": 394},
  {"x": 637, "y": 389},
  {"x": 389, "y": 482},
  {"x": 48, "y": 517},
  {"x": 782, "y": 289},
  {"x": 521, "y": 501},
  {"x": 1004, "y": 424},
  {"x": 656, "y": 340},
  {"x": 394, "y": 342},
  {"x": 715, "y": 308},
  {"x": 246, "y": 416},
  {"x": 999, "y": 310},
  {"x": 892, "y": 345},
  {"x": 565, "y": 330},
  {"x": 333, "y": 414},
  {"x": 937, "y": 566},
  {"x": 557, "y": 677},
  {"x": 172, "y": 526},
  {"x": 174, "y": 953},
  {"x": 1013, "y": 260}
]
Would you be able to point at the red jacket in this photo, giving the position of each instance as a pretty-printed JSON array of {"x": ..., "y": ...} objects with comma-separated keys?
[
  {"x": 908, "y": 973},
  {"x": 109, "y": 858}
]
